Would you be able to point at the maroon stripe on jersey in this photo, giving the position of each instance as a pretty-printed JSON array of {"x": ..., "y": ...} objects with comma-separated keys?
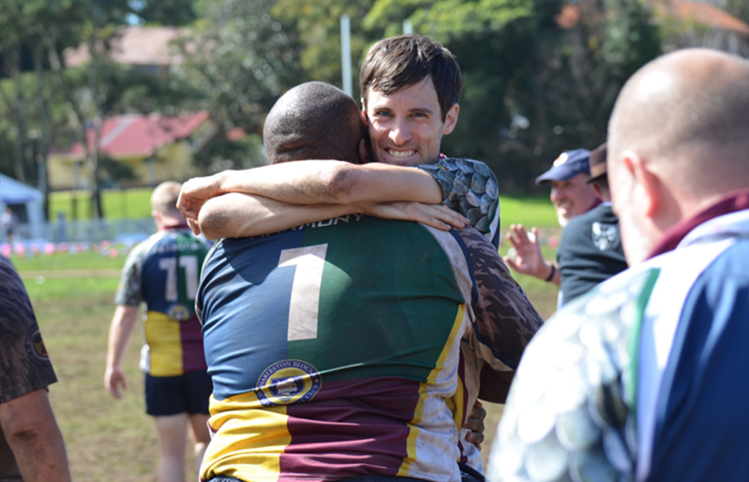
[
  {"x": 351, "y": 428},
  {"x": 193, "y": 357}
]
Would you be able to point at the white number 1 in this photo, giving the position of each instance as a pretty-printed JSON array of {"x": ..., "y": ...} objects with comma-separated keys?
[
  {"x": 190, "y": 264},
  {"x": 305, "y": 290}
]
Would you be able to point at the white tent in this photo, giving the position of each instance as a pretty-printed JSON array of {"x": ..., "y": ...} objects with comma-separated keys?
[{"x": 14, "y": 192}]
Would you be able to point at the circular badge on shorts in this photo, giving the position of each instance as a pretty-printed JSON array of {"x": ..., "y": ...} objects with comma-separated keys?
[
  {"x": 35, "y": 347},
  {"x": 178, "y": 313},
  {"x": 288, "y": 381}
]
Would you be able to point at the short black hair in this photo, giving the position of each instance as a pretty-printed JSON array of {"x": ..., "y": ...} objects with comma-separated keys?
[
  {"x": 314, "y": 120},
  {"x": 399, "y": 62}
]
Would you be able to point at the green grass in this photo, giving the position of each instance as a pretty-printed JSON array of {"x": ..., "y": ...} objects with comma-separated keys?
[
  {"x": 116, "y": 204},
  {"x": 527, "y": 210},
  {"x": 65, "y": 261}
]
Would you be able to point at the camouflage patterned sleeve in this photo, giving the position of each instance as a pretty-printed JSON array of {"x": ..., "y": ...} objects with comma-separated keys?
[
  {"x": 24, "y": 362},
  {"x": 470, "y": 188},
  {"x": 129, "y": 289},
  {"x": 505, "y": 318}
]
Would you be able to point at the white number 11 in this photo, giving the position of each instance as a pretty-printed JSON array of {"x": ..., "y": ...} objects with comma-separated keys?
[
  {"x": 305, "y": 290},
  {"x": 190, "y": 264}
]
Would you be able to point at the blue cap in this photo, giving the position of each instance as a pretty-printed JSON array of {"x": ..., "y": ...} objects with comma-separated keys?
[{"x": 566, "y": 166}]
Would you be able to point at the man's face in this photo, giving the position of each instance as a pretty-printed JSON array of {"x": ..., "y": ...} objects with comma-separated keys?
[
  {"x": 572, "y": 197},
  {"x": 406, "y": 127}
]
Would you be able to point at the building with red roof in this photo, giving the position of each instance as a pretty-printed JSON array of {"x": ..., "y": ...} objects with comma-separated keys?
[
  {"x": 148, "y": 48},
  {"x": 688, "y": 24},
  {"x": 156, "y": 148}
]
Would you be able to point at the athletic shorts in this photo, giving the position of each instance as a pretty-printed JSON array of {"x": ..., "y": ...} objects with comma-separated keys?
[{"x": 184, "y": 393}]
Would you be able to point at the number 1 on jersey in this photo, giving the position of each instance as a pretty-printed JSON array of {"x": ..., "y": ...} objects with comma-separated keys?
[{"x": 305, "y": 290}]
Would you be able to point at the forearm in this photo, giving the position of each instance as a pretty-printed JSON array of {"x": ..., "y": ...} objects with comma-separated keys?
[
  {"x": 495, "y": 385},
  {"x": 33, "y": 435},
  {"x": 120, "y": 333},
  {"x": 238, "y": 215},
  {"x": 332, "y": 182}
]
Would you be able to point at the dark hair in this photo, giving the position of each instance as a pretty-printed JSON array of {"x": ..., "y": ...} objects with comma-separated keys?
[
  {"x": 313, "y": 120},
  {"x": 399, "y": 62}
]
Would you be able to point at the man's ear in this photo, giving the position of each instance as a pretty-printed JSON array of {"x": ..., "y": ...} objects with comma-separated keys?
[
  {"x": 451, "y": 119},
  {"x": 647, "y": 185},
  {"x": 598, "y": 192},
  {"x": 364, "y": 114},
  {"x": 364, "y": 156}
]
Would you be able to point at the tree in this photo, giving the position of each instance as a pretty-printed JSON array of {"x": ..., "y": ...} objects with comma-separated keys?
[{"x": 240, "y": 58}]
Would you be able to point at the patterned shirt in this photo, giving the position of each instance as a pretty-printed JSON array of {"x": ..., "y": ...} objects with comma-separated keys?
[
  {"x": 334, "y": 348},
  {"x": 644, "y": 377},
  {"x": 163, "y": 271},
  {"x": 24, "y": 362},
  {"x": 470, "y": 188}
]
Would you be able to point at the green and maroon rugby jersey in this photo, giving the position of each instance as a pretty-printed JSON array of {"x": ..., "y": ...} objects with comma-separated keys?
[{"x": 334, "y": 349}]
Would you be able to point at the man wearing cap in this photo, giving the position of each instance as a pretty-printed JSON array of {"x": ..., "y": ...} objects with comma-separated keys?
[
  {"x": 591, "y": 250},
  {"x": 571, "y": 196}
]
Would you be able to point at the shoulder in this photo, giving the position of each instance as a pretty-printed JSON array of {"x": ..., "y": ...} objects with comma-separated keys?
[{"x": 24, "y": 365}]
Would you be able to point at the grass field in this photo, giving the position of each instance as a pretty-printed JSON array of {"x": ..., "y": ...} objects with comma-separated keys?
[
  {"x": 116, "y": 204},
  {"x": 114, "y": 440}
]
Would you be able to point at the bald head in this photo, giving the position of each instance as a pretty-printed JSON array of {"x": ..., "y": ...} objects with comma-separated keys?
[
  {"x": 313, "y": 120},
  {"x": 688, "y": 112}
]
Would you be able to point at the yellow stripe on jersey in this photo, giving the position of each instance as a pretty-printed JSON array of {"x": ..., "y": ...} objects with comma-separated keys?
[
  {"x": 450, "y": 344},
  {"x": 404, "y": 469},
  {"x": 249, "y": 439},
  {"x": 456, "y": 404},
  {"x": 164, "y": 340}
]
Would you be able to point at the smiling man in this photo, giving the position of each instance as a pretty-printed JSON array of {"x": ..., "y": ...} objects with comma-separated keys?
[
  {"x": 407, "y": 111},
  {"x": 410, "y": 91},
  {"x": 571, "y": 196}
]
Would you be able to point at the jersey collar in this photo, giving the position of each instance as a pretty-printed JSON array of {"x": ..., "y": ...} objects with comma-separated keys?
[{"x": 736, "y": 201}]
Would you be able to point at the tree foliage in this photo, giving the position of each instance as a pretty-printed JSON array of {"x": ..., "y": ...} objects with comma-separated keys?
[{"x": 240, "y": 58}]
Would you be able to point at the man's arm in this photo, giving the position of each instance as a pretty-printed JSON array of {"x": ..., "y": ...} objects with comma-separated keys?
[
  {"x": 315, "y": 182},
  {"x": 242, "y": 215},
  {"x": 528, "y": 259},
  {"x": 29, "y": 426},
  {"x": 505, "y": 318},
  {"x": 120, "y": 333}
]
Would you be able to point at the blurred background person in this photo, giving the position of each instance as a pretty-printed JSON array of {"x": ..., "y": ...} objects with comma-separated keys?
[
  {"x": 163, "y": 271},
  {"x": 590, "y": 250},
  {"x": 571, "y": 196}
]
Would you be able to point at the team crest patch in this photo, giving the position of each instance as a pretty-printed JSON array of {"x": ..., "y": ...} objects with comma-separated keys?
[
  {"x": 604, "y": 236},
  {"x": 179, "y": 313},
  {"x": 561, "y": 159},
  {"x": 35, "y": 347},
  {"x": 288, "y": 381}
]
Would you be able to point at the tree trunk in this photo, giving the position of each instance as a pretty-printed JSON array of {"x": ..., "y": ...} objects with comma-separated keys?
[{"x": 45, "y": 136}]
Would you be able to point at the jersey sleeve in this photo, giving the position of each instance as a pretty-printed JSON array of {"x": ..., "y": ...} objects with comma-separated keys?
[
  {"x": 505, "y": 318},
  {"x": 24, "y": 362},
  {"x": 470, "y": 188},
  {"x": 131, "y": 281}
]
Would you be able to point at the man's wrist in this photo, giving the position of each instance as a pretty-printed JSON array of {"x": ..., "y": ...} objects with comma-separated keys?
[{"x": 552, "y": 272}]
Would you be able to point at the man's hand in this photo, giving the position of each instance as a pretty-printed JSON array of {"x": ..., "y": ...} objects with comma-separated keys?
[
  {"x": 528, "y": 259},
  {"x": 437, "y": 216},
  {"x": 114, "y": 378},
  {"x": 475, "y": 423},
  {"x": 195, "y": 193}
]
